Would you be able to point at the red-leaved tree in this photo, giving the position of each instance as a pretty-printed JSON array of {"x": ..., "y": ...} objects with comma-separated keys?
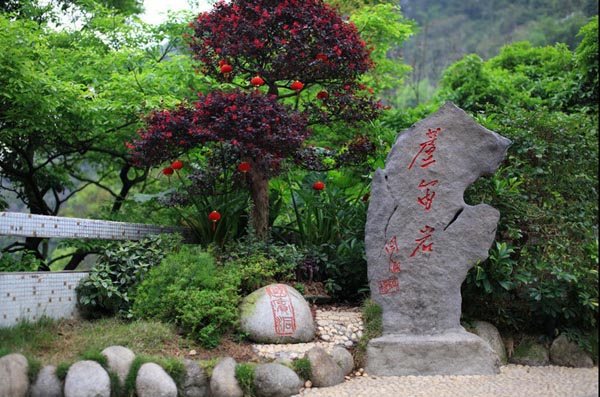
[{"x": 295, "y": 64}]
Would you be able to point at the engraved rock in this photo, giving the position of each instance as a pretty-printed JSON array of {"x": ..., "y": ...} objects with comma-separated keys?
[
  {"x": 277, "y": 313},
  {"x": 422, "y": 238}
]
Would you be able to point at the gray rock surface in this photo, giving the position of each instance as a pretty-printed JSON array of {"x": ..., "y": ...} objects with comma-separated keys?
[
  {"x": 569, "y": 354},
  {"x": 13, "y": 374},
  {"x": 276, "y": 380},
  {"x": 450, "y": 353},
  {"x": 343, "y": 358},
  {"x": 277, "y": 313},
  {"x": 87, "y": 379},
  {"x": 489, "y": 333},
  {"x": 421, "y": 237},
  {"x": 531, "y": 353},
  {"x": 119, "y": 361},
  {"x": 47, "y": 383},
  {"x": 153, "y": 381},
  {"x": 325, "y": 371},
  {"x": 223, "y": 382},
  {"x": 195, "y": 381}
]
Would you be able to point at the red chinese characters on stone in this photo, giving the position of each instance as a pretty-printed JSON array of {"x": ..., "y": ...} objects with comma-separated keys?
[
  {"x": 283, "y": 310},
  {"x": 426, "y": 150},
  {"x": 388, "y": 286},
  {"x": 427, "y": 231},
  {"x": 427, "y": 199},
  {"x": 390, "y": 248}
]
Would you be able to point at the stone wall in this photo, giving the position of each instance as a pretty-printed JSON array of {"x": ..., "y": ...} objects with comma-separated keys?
[{"x": 32, "y": 295}]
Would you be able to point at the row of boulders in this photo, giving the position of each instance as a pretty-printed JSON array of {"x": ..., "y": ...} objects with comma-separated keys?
[
  {"x": 530, "y": 351},
  {"x": 89, "y": 378}
]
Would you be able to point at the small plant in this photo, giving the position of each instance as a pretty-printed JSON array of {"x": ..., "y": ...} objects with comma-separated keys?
[
  {"x": 302, "y": 367},
  {"x": 62, "y": 370},
  {"x": 244, "y": 374},
  {"x": 373, "y": 327}
]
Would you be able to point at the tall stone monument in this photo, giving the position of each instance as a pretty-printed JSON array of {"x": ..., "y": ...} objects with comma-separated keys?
[{"x": 421, "y": 240}]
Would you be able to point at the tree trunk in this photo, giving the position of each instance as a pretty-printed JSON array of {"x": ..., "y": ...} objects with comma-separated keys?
[{"x": 259, "y": 192}]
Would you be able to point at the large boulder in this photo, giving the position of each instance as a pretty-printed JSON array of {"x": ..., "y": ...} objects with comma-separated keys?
[
  {"x": 47, "y": 383},
  {"x": 276, "y": 380},
  {"x": 87, "y": 379},
  {"x": 490, "y": 334},
  {"x": 324, "y": 370},
  {"x": 153, "y": 381},
  {"x": 119, "y": 360},
  {"x": 13, "y": 373},
  {"x": 195, "y": 381},
  {"x": 565, "y": 353},
  {"x": 277, "y": 313},
  {"x": 223, "y": 382}
]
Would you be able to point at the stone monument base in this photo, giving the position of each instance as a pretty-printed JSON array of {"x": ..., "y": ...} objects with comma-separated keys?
[{"x": 456, "y": 352}]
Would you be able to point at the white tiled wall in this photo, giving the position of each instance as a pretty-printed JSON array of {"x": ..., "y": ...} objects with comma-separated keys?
[{"x": 32, "y": 295}]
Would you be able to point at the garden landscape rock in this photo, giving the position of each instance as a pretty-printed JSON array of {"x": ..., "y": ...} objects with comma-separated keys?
[
  {"x": 568, "y": 354},
  {"x": 276, "y": 380},
  {"x": 277, "y": 313},
  {"x": 531, "y": 353},
  {"x": 421, "y": 240},
  {"x": 490, "y": 334},
  {"x": 119, "y": 360},
  {"x": 343, "y": 358},
  {"x": 223, "y": 382},
  {"x": 153, "y": 381},
  {"x": 87, "y": 379},
  {"x": 324, "y": 370},
  {"x": 195, "y": 381},
  {"x": 47, "y": 383},
  {"x": 13, "y": 373}
]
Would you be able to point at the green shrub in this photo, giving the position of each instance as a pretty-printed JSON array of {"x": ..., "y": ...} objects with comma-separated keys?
[
  {"x": 189, "y": 290},
  {"x": 542, "y": 273},
  {"x": 111, "y": 284}
]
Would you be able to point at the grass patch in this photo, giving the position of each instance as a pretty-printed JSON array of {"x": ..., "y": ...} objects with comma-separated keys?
[
  {"x": 55, "y": 342},
  {"x": 373, "y": 327},
  {"x": 302, "y": 367},
  {"x": 244, "y": 374}
]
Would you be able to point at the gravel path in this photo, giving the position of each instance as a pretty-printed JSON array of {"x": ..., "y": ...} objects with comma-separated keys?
[{"x": 513, "y": 381}]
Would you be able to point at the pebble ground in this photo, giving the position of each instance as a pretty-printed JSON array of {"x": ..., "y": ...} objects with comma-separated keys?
[
  {"x": 344, "y": 327},
  {"x": 513, "y": 381}
]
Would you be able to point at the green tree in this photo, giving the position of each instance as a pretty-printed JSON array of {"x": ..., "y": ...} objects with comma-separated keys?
[{"x": 69, "y": 99}]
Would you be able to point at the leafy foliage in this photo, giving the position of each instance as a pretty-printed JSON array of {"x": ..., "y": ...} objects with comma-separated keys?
[
  {"x": 110, "y": 287},
  {"x": 189, "y": 290}
]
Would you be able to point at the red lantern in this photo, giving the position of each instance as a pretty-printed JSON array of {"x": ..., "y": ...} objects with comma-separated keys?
[
  {"x": 214, "y": 217},
  {"x": 225, "y": 69},
  {"x": 177, "y": 165},
  {"x": 318, "y": 186},
  {"x": 297, "y": 86},
  {"x": 244, "y": 167},
  {"x": 257, "y": 81}
]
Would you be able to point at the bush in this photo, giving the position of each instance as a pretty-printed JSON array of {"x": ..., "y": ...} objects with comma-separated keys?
[
  {"x": 188, "y": 289},
  {"x": 111, "y": 284},
  {"x": 542, "y": 273}
]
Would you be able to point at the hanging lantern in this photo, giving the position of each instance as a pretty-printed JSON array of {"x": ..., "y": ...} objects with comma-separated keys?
[
  {"x": 318, "y": 186},
  {"x": 177, "y": 165},
  {"x": 214, "y": 217}
]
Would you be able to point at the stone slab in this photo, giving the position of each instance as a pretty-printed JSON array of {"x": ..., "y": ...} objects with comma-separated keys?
[{"x": 451, "y": 353}]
